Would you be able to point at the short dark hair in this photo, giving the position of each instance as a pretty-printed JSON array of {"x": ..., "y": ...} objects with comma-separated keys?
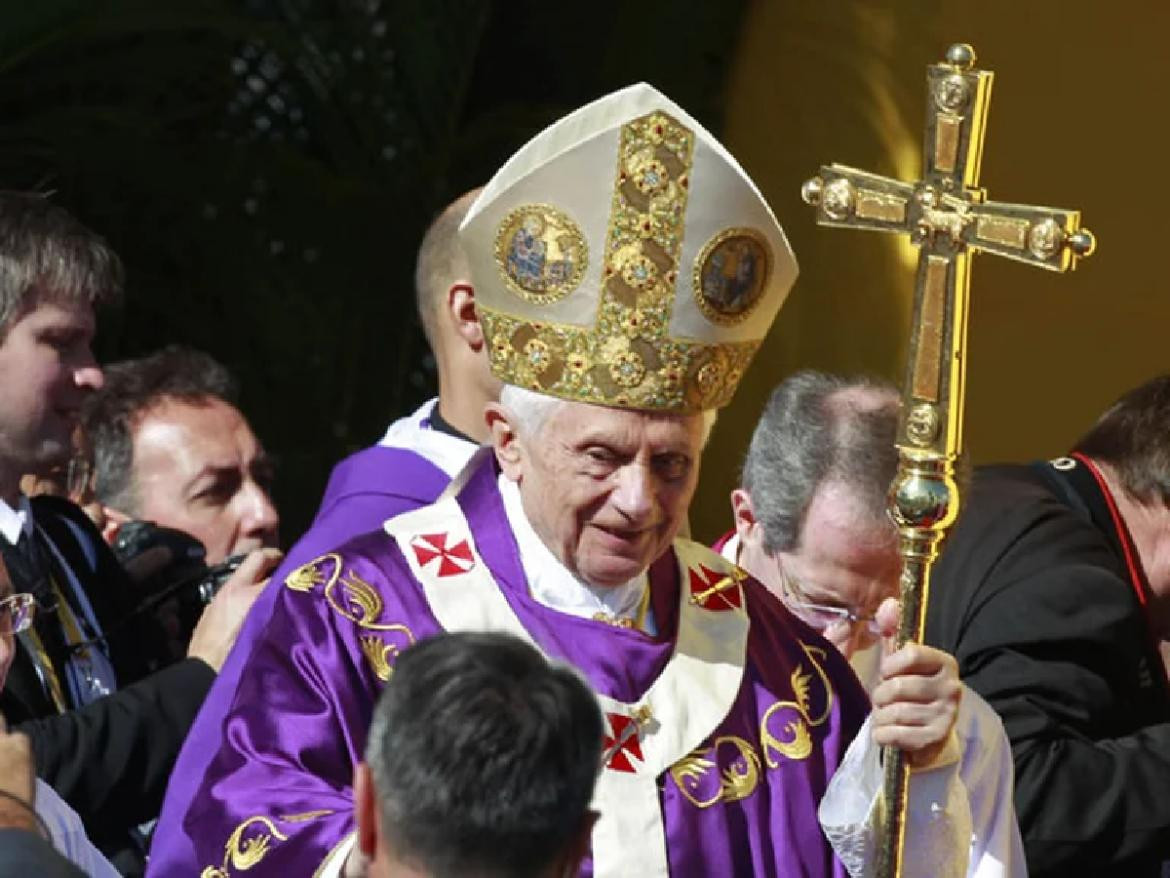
[
  {"x": 131, "y": 389},
  {"x": 441, "y": 261},
  {"x": 48, "y": 256},
  {"x": 1133, "y": 437},
  {"x": 484, "y": 756},
  {"x": 817, "y": 427}
]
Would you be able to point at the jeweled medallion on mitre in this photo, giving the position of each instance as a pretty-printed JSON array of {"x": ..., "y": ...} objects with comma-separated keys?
[
  {"x": 541, "y": 253},
  {"x": 730, "y": 275}
]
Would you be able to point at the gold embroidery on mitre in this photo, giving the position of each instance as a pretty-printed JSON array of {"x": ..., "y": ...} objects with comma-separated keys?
[
  {"x": 241, "y": 853},
  {"x": 627, "y": 357},
  {"x": 737, "y": 781},
  {"x": 541, "y": 253},
  {"x": 797, "y": 742},
  {"x": 730, "y": 274}
]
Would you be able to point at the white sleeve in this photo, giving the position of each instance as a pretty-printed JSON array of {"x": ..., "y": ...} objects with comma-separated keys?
[
  {"x": 997, "y": 850},
  {"x": 938, "y": 821},
  {"x": 68, "y": 835}
]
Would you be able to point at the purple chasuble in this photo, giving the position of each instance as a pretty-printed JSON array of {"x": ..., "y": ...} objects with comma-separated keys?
[
  {"x": 364, "y": 490},
  {"x": 277, "y": 796}
]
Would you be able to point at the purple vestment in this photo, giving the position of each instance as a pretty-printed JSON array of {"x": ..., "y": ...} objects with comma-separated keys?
[
  {"x": 277, "y": 795},
  {"x": 364, "y": 490}
]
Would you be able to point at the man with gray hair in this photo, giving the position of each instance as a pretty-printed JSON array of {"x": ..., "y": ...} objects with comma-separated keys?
[
  {"x": 627, "y": 266},
  {"x": 811, "y": 525}
]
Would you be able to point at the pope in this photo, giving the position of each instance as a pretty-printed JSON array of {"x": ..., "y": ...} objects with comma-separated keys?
[{"x": 596, "y": 254}]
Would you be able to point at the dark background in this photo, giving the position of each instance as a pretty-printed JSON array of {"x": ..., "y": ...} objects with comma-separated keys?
[{"x": 266, "y": 169}]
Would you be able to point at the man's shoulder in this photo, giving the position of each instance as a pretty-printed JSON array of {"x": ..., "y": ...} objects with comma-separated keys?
[
  {"x": 1019, "y": 548},
  {"x": 380, "y": 469},
  {"x": 1012, "y": 510},
  {"x": 49, "y": 512},
  {"x": 773, "y": 627}
]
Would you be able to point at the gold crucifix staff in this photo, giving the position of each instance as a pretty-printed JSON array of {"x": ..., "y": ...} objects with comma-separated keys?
[{"x": 948, "y": 218}]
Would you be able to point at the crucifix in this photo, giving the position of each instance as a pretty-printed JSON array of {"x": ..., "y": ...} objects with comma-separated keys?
[{"x": 949, "y": 219}]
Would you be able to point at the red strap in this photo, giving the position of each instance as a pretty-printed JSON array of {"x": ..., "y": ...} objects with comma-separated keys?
[{"x": 1135, "y": 575}]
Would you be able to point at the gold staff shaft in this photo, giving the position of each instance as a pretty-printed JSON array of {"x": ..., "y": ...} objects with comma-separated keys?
[{"x": 949, "y": 219}]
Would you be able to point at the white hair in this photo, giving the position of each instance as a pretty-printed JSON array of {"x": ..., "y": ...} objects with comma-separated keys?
[{"x": 531, "y": 411}]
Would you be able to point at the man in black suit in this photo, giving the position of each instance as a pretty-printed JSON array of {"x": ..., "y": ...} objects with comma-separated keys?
[
  {"x": 107, "y": 750},
  {"x": 1053, "y": 593}
]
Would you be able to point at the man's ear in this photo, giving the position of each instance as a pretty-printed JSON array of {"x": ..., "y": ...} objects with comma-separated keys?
[
  {"x": 504, "y": 439},
  {"x": 744, "y": 514},
  {"x": 365, "y": 809},
  {"x": 464, "y": 317},
  {"x": 113, "y": 523}
]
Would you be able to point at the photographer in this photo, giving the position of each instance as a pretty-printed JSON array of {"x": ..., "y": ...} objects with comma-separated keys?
[
  {"x": 107, "y": 748},
  {"x": 171, "y": 448}
]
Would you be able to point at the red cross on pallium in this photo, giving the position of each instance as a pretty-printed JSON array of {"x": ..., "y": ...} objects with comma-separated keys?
[
  {"x": 622, "y": 742},
  {"x": 453, "y": 560},
  {"x": 706, "y": 592}
]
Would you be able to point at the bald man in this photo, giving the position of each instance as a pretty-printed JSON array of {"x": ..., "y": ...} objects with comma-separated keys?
[
  {"x": 422, "y": 452},
  {"x": 408, "y": 468}
]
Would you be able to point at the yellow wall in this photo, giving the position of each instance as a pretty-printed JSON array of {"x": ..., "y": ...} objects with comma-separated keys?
[{"x": 1078, "y": 119}]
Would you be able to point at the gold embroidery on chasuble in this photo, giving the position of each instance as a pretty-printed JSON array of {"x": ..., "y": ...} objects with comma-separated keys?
[
  {"x": 699, "y": 779},
  {"x": 353, "y": 598},
  {"x": 251, "y": 841},
  {"x": 730, "y": 768},
  {"x": 786, "y": 727},
  {"x": 627, "y": 357}
]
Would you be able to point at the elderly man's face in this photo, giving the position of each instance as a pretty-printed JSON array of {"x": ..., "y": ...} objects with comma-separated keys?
[
  {"x": 200, "y": 469},
  {"x": 606, "y": 489}
]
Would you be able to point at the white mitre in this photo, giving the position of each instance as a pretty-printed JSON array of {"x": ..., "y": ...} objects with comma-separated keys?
[{"x": 622, "y": 257}]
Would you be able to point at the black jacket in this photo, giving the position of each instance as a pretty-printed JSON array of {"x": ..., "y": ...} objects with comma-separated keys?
[
  {"x": 1033, "y": 597},
  {"x": 111, "y": 759}
]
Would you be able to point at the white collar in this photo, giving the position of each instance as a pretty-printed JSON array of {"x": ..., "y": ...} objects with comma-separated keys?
[
  {"x": 552, "y": 584},
  {"x": 414, "y": 433},
  {"x": 15, "y": 522},
  {"x": 730, "y": 549}
]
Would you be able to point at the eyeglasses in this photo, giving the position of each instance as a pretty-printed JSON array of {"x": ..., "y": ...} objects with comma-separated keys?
[
  {"x": 17, "y": 612},
  {"x": 820, "y": 616}
]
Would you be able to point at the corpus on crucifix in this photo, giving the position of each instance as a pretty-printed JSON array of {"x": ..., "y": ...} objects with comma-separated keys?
[{"x": 948, "y": 217}]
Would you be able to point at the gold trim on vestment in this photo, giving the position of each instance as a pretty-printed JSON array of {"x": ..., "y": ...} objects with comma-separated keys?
[{"x": 627, "y": 357}]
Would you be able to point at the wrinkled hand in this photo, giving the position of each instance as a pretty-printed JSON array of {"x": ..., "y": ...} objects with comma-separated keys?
[
  {"x": 220, "y": 623},
  {"x": 16, "y": 779},
  {"x": 916, "y": 704}
]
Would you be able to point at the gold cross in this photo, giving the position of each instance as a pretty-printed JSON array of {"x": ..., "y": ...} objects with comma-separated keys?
[{"x": 949, "y": 218}]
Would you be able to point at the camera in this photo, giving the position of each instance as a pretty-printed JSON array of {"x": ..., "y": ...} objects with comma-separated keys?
[{"x": 172, "y": 580}]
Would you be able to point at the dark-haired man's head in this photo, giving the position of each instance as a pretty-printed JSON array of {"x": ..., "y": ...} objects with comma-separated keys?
[
  {"x": 53, "y": 273},
  {"x": 445, "y": 298},
  {"x": 1130, "y": 443},
  {"x": 481, "y": 763},
  {"x": 171, "y": 447}
]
